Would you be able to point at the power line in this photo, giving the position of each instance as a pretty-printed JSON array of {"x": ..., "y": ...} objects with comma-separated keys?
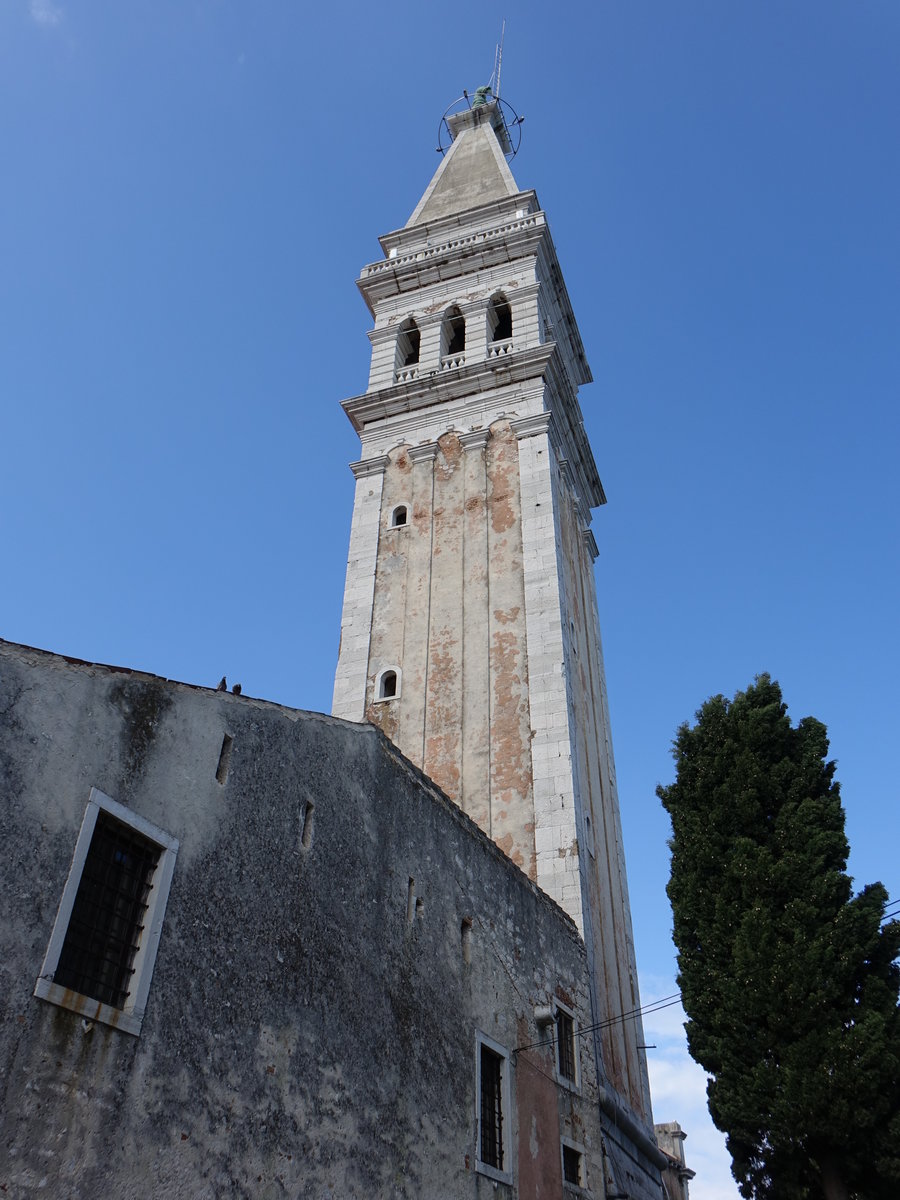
[{"x": 652, "y": 1007}]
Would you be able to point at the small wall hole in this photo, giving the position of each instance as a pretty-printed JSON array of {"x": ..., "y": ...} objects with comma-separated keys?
[
  {"x": 306, "y": 831},
  {"x": 224, "y": 758},
  {"x": 465, "y": 934},
  {"x": 410, "y": 900},
  {"x": 420, "y": 908}
]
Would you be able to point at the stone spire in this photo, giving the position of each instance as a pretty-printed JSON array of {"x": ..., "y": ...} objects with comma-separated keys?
[{"x": 474, "y": 170}]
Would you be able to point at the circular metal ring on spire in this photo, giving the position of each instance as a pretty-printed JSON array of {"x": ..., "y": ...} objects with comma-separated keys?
[{"x": 511, "y": 125}]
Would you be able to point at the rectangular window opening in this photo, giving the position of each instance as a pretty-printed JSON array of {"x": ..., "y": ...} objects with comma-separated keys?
[
  {"x": 107, "y": 921},
  {"x": 491, "y": 1148},
  {"x": 571, "y": 1165},
  {"x": 565, "y": 1045},
  {"x": 104, "y": 941}
]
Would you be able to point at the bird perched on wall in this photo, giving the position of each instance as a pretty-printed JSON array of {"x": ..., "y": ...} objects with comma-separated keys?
[
  {"x": 222, "y": 685},
  {"x": 237, "y": 689}
]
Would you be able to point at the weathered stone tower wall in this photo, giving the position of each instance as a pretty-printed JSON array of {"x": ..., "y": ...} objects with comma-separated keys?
[{"x": 470, "y": 631}]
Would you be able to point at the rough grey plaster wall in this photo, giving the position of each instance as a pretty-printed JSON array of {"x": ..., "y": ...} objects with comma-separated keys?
[{"x": 303, "y": 1037}]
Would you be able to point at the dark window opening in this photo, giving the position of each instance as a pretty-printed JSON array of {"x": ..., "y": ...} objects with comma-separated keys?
[
  {"x": 106, "y": 924},
  {"x": 398, "y": 516},
  {"x": 500, "y": 320},
  {"x": 454, "y": 332},
  {"x": 408, "y": 342},
  {"x": 491, "y": 1148},
  {"x": 388, "y": 687},
  {"x": 565, "y": 1045},
  {"x": 571, "y": 1165}
]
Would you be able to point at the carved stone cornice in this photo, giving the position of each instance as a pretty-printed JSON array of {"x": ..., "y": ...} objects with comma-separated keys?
[
  {"x": 462, "y": 252},
  {"x": 440, "y": 386},
  {"x": 370, "y": 466},
  {"x": 526, "y": 427},
  {"x": 475, "y": 439},
  {"x": 426, "y": 452}
]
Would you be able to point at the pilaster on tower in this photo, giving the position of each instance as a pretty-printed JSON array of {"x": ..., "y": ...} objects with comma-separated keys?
[{"x": 469, "y": 630}]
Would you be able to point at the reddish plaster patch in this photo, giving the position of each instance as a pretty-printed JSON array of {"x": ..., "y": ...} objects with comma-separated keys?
[
  {"x": 504, "y": 478},
  {"x": 386, "y": 717},
  {"x": 506, "y": 844}
]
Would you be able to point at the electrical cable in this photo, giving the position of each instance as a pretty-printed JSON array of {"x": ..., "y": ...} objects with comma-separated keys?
[{"x": 652, "y": 1007}]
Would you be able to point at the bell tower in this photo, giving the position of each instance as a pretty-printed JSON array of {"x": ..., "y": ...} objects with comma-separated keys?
[{"x": 470, "y": 632}]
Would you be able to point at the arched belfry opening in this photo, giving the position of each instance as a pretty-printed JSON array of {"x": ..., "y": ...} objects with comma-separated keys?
[
  {"x": 499, "y": 321},
  {"x": 409, "y": 339},
  {"x": 453, "y": 338}
]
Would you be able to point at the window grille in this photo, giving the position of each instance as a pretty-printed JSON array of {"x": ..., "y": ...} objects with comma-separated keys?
[
  {"x": 565, "y": 1045},
  {"x": 105, "y": 928},
  {"x": 571, "y": 1165},
  {"x": 491, "y": 1108}
]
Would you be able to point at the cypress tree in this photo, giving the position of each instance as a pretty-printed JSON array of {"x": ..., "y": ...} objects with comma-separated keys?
[{"x": 789, "y": 981}]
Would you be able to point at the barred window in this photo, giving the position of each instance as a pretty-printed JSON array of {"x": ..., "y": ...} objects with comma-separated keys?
[
  {"x": 492, "y": 1137},
  {"x": 571, "y": 1165},
  {"x": 104, "y": 941},
  {"x": 565, "y": 1045},
  {"x": 491, "y": 1108},
  {"x": 107, "y": 920}
]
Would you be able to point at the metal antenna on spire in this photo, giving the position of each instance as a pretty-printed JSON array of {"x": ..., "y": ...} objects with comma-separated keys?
[{"x": 498, "y": 60}]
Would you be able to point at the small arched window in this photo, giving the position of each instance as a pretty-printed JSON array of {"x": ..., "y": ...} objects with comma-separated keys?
[
  {"x": 453, "y": 333},
  {"x": 388, "y": 685},
  {"x": 499, "y": 319},
  {"x": 408, "y": 341},
  {"x": 400, "y": 516}
]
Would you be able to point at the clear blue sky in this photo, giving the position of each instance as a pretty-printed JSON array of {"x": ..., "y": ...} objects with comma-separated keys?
[{"x": 190, "y": 189}]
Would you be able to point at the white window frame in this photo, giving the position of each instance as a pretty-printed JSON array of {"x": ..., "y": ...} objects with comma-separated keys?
[
  {"x": 506, "y": 1175},
  {"x": 130, "y": 1017},
  {"x": 378, "y": 698},
  {"x": 574, "y": 1085},
  {"x": 405, "y": 524},
  {"x": 577, "y": 1189}
]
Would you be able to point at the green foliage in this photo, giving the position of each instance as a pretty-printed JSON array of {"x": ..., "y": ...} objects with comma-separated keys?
[{"x": 789, "y": 981}]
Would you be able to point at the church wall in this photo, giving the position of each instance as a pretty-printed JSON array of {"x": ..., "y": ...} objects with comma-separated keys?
[{"x": 311, "y": 1023}]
